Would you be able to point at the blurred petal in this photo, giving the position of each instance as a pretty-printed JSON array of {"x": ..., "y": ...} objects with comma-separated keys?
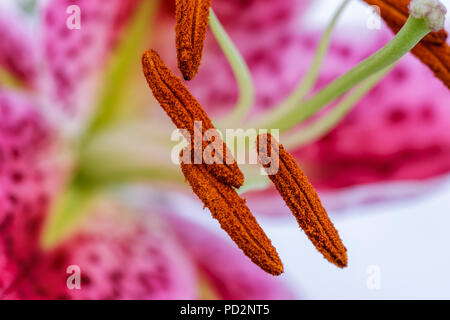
[
  {"x": 75, "y": 55},
  {"x": 230, "y": 273},
  {"x": 156, "y": 268},
  {"x": 120, "y": 255},
  {"x": 24, "y": 181},
  {"x": 17, "y": 47},
  {"x": 259, "y": 15},
  {"x": 251, "y": 15}
]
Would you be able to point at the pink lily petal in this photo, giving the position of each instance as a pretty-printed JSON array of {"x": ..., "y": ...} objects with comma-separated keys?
[
  {"x": 251, "y": 15},
  {"x": 23, "y": 180},
  {"x": 75, "y": 55},
  {"x": 259, "y": 15},
  {"x": 17, "y": 47},
  {"x": 119, "y": 256},
  {"x": 231, "y": 274}
]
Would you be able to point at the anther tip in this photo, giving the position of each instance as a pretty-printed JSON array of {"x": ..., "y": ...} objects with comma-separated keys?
[
  {"x": 341, "y": 261},
  {"x": 275, "y": 268},
  {"x": 187, "y": 70},
  {"x": 148, "y": 57},
  {"x": 279, "y": 271}
]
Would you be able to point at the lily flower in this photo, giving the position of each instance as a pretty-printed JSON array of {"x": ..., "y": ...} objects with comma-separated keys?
[
  {"x": 44, "y": 101},
  {"x": 83, "y": 146}
]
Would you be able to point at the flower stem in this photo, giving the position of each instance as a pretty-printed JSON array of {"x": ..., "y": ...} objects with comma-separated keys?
[
  {"x": 240, "y": 70},
  {"x": 406, "y": 39}
]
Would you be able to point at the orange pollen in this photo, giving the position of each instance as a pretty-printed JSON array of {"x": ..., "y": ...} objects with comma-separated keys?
[
  {"x": 192, "y": 17},
  {"x": 234, "y": 216},
  {"x": 301, "y": 198},
  {"x": 185, "y": 111}
]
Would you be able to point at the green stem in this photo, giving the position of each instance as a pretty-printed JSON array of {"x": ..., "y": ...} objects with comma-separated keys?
[
  {"x": 240, "y": 70},
  {"x": 406, "y": 39},
  {"x": 326, "y": 123}
]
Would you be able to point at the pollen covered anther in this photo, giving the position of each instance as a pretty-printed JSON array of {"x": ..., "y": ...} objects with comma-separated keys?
[
  {"x": 192, "y": 17},
  {"x": 186, "y": 113},
  {"x": 301, "y": 198},
  {"x": 234, "y": 216}
]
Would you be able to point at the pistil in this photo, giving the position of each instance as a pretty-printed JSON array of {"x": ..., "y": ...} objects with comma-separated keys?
[{"x": 432, "y": 50}]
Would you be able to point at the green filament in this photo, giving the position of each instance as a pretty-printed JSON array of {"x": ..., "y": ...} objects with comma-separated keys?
[
  {"x": 309, "y": 80},
  {"x": 328, "y": 122},
  {"x": 240, "y": 70}
]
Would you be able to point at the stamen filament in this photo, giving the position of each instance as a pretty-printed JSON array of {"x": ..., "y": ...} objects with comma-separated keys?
[
  {"x": 310, "y": 78},
  {"x": 240, "y": 70}
]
